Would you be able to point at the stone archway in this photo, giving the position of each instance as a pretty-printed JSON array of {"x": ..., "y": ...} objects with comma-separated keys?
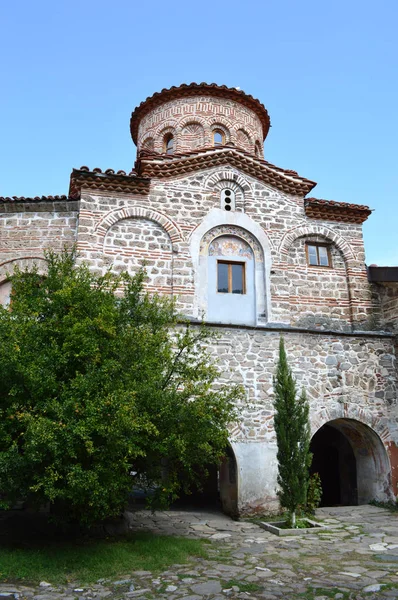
[
  {"x": 352, "y": 462},
  {"x": 228, "y": 483}
]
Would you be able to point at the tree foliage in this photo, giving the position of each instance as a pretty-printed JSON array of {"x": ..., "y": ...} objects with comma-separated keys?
[
  {"x": 291, "y": 422},
  {"x": 100, "y": 389}
]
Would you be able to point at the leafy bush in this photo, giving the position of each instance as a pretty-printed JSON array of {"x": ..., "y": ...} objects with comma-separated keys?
[{"x": 101, "y": 383}]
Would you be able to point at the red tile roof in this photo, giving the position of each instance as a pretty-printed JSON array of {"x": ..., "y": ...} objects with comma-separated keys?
[
  {"x": 330, "y": 210},
  {"x": 108, "y": 181},
  {"x": 165, "y": 166},
  {"x": 198, "y": 89},
  {"x": 35, "y": 199}
]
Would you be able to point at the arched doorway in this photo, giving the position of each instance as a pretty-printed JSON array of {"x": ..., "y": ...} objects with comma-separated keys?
[
  {"x": 217, "y": 489},
  {"x": 228, "y": 483},
  {"x": 352, "y": 463}
]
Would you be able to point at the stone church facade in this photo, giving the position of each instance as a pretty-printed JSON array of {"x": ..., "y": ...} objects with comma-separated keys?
[{"x": 242, "y": 245}]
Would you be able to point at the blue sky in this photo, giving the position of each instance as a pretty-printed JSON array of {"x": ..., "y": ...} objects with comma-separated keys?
[{"x": 72, "y": 72}]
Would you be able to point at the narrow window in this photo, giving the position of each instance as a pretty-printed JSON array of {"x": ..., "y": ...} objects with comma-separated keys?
[
  {"x": 230, "y": 277},
  {"x": 228, "y": 199},
  {"x": 318, "y": 255},
  {"x": 218, "y": 137},
  {"x": 168, "y": 143}
]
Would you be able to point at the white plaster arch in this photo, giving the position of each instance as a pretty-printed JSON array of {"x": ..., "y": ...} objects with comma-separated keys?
[
  {"x": 315, "y": 229},
  {"x": 217, "y": 218},
  {"x": 141, "y": 212}
]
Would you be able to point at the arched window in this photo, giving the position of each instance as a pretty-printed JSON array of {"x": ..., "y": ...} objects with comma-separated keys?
[
  {"x": 168, "y": 143},
  {"x": 257, "y": 149},
  {"x": 218, "y": 137}
]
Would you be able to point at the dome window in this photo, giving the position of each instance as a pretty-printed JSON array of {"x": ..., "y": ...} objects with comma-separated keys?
[
  {"x": 218, "y": 137},
  {"x": 228, "y": 199},
  {"x": 168, "y": 143}
]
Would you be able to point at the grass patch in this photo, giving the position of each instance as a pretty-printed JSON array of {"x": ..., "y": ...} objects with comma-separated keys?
[
  {"x": 86, "y": 562},
  {"x": 244, "y": 586}
]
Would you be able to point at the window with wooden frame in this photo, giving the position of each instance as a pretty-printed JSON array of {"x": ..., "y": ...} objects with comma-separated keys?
[
  {"x": 218, "y": 137},
  {"x": 318, "y": 255},
  {"x": 231, "y": 277},
  {"x": 168, "y": 143}
]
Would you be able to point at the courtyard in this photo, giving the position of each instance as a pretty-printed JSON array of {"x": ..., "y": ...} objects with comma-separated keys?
[{"x": 356, "y": 558}]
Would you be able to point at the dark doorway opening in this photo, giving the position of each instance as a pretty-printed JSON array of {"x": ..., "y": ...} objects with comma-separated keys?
[
  {"x": 334, "y": 460},
  {"x": 217, "y": 490},
  {"x": 205, "y": 495}
]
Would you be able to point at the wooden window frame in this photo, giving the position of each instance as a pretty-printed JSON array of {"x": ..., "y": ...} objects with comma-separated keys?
[
  {"x": 316, "y": 245},
  {"x": 230, "y": 263},
  {"x": 222, "y": 143}
]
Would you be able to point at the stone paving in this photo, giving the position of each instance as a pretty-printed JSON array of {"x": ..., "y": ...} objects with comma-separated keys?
[{"x": 356, "y": 558}]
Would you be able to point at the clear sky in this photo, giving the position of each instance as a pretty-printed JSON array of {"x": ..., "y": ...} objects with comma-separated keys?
[{"x": 72, "y": 72}]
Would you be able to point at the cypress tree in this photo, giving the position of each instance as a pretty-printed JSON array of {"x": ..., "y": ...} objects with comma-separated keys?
[{"x": 291, "y": 422}]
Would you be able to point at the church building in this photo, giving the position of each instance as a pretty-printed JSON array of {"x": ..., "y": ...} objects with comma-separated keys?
[{"x": 244, "y": 246}]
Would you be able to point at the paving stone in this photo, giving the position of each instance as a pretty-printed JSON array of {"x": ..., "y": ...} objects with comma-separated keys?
[{"x": 210, "y": 587}]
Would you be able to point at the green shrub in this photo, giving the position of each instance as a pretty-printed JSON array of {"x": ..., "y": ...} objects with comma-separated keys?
[{"x": 314, "y": 494}]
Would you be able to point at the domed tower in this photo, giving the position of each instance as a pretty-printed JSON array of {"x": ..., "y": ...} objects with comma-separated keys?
[{"x": 194, "y": 117}]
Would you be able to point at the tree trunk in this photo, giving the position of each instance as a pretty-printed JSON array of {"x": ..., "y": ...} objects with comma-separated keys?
[{"x": 293, "y": 519}]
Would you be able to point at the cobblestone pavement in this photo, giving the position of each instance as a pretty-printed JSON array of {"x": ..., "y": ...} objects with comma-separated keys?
[{"x": 356, "y": 558}]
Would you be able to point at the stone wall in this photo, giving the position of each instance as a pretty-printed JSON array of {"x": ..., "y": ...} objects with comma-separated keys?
[
  {"x": 27, "y": 229},
  {"x": 388, "y": 299},
  {"x": 349, "y": 377},
  {"x": 336, "y": 298}
]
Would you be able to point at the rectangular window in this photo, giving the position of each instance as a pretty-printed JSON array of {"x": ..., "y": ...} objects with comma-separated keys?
[
  {"x": 230, "y": 277},
  {"x": 318, "y": 255}
]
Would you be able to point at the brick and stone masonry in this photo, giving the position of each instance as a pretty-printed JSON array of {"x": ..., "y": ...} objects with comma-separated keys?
[{"x": 170, "y": 214}]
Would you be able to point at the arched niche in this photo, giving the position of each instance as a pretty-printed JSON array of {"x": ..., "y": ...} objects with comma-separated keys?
[
  {"x": 232, "y": 262},
  {"x": 220, "y": 223},
  {"x": 228, "y": 483}
]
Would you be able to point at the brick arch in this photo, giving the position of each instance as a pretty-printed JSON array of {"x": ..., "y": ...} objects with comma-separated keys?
[
  {"x": 227, "y": 175},
  {"x": 308, "y": 230},
  {"x": 7, "y": 267},
  {"x": 192, "y": 119},
  {"x": 110, "y": 219},
  {"x": 169, "y": 126},
  {"x": 354, "y": 412},
  {"x": 222, "y": 121}
]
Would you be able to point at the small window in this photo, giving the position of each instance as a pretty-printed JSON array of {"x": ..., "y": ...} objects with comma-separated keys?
[
  {"x": 228, "y": 199},
  {"x": 218, "y": 137},
  {"x": 318, "y": 255},
  {"x": 230, "y": 277},
  {"x": 168, "y": 144}
]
